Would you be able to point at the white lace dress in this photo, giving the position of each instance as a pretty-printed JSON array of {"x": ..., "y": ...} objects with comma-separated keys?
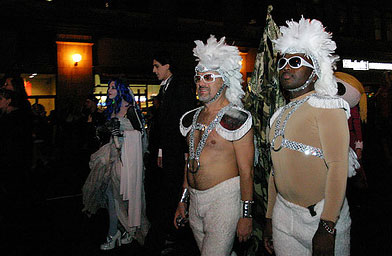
[{"x": 126, "y": 173}]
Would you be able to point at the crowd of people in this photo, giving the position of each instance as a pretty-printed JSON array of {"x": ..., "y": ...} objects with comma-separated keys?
[{"x": 188, "y": 164}]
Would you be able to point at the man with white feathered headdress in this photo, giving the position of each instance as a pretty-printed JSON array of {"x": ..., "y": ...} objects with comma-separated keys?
[
  {"x": 307, "y": 211},
  {"x": 218, "y": 182}
]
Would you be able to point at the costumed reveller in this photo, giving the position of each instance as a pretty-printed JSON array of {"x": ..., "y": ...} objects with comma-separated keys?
[
  {"x": 307, "y": 211},
  {"x": 116, "y": 178},
  {"x": 352, "y": 91},
  {"x": 218, "y": 178}
]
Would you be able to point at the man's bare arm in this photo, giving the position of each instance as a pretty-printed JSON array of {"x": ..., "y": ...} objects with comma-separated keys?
[
  {"x": 244, "y": 152},
  {"x": 181, "y": 207}
]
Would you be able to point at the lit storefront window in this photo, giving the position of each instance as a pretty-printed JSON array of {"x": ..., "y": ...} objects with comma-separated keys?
[{"x": 41, "y": 89}]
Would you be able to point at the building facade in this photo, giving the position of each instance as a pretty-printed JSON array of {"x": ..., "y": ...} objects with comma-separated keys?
[{"x": 119, "y": 37}]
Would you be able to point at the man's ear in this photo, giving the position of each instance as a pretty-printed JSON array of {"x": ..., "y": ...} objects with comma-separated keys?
[{"x": 167, "y": 66}]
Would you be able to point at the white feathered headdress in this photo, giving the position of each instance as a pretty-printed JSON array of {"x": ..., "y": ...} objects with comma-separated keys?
[
  {"x": 224, "y": 59},
  {"x": 310, "y": 38}
]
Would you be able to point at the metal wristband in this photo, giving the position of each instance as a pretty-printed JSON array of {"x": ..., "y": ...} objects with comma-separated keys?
[
  {"x": 247, "y": 209},
  {"x": 185, "y": 196},
  {"x": 330, "y": 230}
]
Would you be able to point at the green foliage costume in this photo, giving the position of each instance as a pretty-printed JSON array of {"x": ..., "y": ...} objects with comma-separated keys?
[{"x": 262, "y": 98}]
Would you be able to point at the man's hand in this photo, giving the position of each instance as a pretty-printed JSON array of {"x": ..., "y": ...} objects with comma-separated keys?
[
  {"x": 159, "y": 161},
  {"x": 180, "y": 212},
  {"x": 244, "y": 229},
  {"x": 358, "y": 151},
  {"x": 267, "y": 236},
  {"x": 323, "y": 243}
]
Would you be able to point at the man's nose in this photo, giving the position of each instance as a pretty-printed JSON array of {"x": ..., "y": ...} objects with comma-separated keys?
[{"x": 287, "y": 66}]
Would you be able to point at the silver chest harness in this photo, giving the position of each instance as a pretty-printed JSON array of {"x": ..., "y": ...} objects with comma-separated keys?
[
  {"x": 293, "y": 145},
  {"x": 193, "y": 164}
]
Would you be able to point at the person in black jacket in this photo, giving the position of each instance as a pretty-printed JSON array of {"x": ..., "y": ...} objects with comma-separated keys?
[
  {"x": 15, "y": 159},
  {"x": 177, "y": 97}
]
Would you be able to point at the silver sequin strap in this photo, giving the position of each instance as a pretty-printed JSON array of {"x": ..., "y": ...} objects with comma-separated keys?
[
  {"x": 306, "y": 149},
  {"x": 293, "y": 145},
  {"x": 206, "y": 132}
]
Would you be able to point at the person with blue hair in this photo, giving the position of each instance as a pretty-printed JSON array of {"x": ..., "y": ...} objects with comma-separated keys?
[{"x": 117, "y": 171}]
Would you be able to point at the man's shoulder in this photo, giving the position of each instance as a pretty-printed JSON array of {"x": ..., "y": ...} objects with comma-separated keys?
[
  {"x": 235, "y": 123},
  {"x": 329, "y": 102},
  {"x": 234, "y": 118},
  {"x": 186, "y": 121}
]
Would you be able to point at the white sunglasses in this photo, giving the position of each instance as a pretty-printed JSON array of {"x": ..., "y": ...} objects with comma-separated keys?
[
  {"x": 207, "y": 78},
  {"x": 294, "y": 62}
]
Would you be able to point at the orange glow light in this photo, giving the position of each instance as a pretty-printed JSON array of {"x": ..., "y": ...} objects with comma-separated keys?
[{"x": 76, "y": 58}]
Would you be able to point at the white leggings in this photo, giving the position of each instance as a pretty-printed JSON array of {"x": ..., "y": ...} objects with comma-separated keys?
[
  {"x": 213, "y": 217},
  {"x": 294, "y": 228}
]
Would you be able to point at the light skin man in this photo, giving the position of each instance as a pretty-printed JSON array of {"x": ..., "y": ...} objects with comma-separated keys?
[{"x": 220, "y": 160}]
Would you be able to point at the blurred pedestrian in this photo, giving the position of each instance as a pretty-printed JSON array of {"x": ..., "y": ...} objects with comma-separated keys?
[
  {"x": 14, "y": 82},
  {"x": 153, "y": 172},
  {"x": 176, "y": 97},
  {"x": 15, "y": 161},
  {"x": 384, "y": 116},
  {"x": 92, "y": 118},
  {"x": 41, "y": 135}
]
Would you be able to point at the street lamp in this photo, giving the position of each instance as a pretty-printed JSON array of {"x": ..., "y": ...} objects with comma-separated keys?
[{"x": 76, "y": 58}]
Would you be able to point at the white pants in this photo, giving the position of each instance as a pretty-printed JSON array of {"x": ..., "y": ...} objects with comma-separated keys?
[
  {"x": 213, "y": 217},
  {"x": 294, "y": 228}
]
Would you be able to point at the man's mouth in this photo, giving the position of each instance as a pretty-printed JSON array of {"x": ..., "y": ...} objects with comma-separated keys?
[
  {"x": 203, "y": 91},
  {"x": 285, "y": 76}
]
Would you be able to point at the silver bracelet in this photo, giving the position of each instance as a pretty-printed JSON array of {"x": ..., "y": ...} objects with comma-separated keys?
[
  {"x": 185, "y": 196},
  {"x": 247, "y": 208},
  {"x": 330, "y": 230}
]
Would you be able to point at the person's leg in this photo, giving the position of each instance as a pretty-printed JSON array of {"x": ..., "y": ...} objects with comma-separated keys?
[
  {"x": 291, "y": 236},
  {"x": 219, "y": 210},
  {"x": 285, "y": 244},
  {"x": 114, "y": 235},
  {"x": 113, "y": 220},
  {"x": 196, "y": 222},
  {"x": 343, "y": 225},
  {"x": 171, "y": 184},
  {"x": 220, "y": 225},
  {"x": 165, "y": 207}
]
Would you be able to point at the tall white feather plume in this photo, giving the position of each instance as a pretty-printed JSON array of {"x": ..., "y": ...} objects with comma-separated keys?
[
  {"x": 309, "y": 37},
  {"x": 218, "y": 56}
]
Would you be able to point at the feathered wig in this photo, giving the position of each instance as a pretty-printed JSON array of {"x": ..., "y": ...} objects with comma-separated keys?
[
  {"x": 123, "y": 92},
  {"x": 310, "y": 38},
  {"x": 224, "y": 59}
]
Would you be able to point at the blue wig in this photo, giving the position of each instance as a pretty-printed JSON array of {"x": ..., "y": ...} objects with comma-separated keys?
[{"x": 123, "y": 93}]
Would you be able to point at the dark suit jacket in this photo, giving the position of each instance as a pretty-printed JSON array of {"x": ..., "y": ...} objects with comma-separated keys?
[{"x": 179, "y": 98}]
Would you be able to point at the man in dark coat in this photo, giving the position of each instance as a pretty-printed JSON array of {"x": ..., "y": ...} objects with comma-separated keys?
[{"x": 177, "y": 97}]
